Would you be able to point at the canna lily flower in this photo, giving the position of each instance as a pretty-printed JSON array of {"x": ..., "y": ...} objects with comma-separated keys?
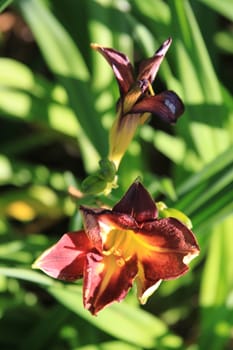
[
  {"x": 137, "y": 99},
  {"x": 119, "y": 247}
]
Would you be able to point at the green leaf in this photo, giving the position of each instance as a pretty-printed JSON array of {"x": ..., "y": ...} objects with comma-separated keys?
[
  {"x": 23, "y": 93},
  {"x": 26, "y": 275},
  {"x": 224, "y": 40},
  {"x": 216, "y": 289},
  {"x": 27, "y": 96},
  {"x": 46, "y": 329},
  {"x": 4, "y": 4},
  {"x": 111, "y": 345},
  {"x": 122, "y": 321},
  {"x": 206, "y": 196},
  {"x": 99, "y": 23},
  {"x": 221, "y": 162},
  {"x": 197, "y": 53},
  {"x": 159, "y": 13},
  {"x": 206, "y": 118},
  {"x": 66, "y": 62},
  {"x": 217, "y": 279},
  {"x": 223, "y": 7}
]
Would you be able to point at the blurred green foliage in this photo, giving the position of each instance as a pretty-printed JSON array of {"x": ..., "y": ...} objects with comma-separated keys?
[{"x": 57, "y": 102}]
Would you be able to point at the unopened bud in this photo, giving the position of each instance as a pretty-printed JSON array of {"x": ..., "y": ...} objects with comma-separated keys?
[
  {"x": 107, "y": 170},
  {"x": 93, "y": 184}
]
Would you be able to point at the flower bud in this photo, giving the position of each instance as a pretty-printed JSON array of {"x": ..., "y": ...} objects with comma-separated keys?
[
  {"x": 93, "y": 184},
  {"x": 107, "y": 170}
]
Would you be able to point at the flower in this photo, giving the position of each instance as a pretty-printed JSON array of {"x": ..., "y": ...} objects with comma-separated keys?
[
  {"x": 137, "y": 99},
  {"x": 119, "y": 247}
]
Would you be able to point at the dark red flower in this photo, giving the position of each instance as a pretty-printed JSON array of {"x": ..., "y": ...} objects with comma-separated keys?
[
  {"x": 120, "y": 246},
  {"x": 137, "y": 98}
]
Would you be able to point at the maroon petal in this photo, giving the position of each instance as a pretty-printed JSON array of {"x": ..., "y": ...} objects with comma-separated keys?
[
  {"x": 149, "y": 68},
  {"x": 91, "y": 225},
  {"x": 107, "y": 279},
  {"x": 168, "y": 247},
  {"x": 169, "y": 234},
  {"x": 167, "y": 105},
  {"x": 121, "y": 66},
  {"x": 65, "y": 260},
  {"x": 137, "y": 203}
]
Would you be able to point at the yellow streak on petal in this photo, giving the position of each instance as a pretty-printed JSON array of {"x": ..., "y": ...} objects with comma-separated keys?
[
  {"x": 131, "y": 98},
  {"x": 144, "y": 117},
  {"x": 108, "y": 268},
  {"x": 130, "y": 243},
  {"x": 119, "y": 246},
  {"x": 121, "y": 134}
]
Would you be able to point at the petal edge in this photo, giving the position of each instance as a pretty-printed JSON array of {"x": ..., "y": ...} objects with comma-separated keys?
[{"x": 65, "y": 259}]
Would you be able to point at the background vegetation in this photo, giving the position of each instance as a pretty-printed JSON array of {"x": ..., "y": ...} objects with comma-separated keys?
[{"x": 57, "y": 102}]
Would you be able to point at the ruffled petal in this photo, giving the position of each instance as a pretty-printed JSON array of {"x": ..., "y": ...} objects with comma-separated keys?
[
  {"x": 167, "y": 105},
  {"x": 167, "y": 246},
  {"x": 169, "y": 234},
  {"x": 121, "y": 66},
  {"x": 107, "y": 279},
  {"x": 149, "y": 67},
  {"x": 137, "y": 203},
  {"x": 65, "y": 260}
]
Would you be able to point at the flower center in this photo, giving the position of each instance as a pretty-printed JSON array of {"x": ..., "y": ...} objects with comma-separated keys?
[{"x": 119, "y": 244}]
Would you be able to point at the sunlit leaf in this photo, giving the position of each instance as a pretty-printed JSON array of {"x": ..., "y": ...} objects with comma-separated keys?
[
  {"x": 66, "y": 62},
  {"x": 113, "y": 345},
  {"x": 27, "y": 275},
  {"x": 133, "y": 325},
  {"x": 224, "y": 7}
]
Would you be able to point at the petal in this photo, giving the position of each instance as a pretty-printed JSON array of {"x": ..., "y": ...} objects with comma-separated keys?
[
  {"x": 109, "y": 220},
  {"x": 91, "y": 225},
  {"x": 145, "y": 287},
  {"x": 99, "y": 222},
  {"x": 65, "y": 259},
  {"x": 137, "y": 203},
  {"x": 149, "y": 68},
  {"x": 121, "y": 134},
  {"x": 166, "y": 247},
  {"x": 121, "y": 66},
  {"x": 169, "y": 234},
  {"x": 166, "y": 105},
  {"x": 133, "y": 95},
  {"x": 107, "y": 279}
]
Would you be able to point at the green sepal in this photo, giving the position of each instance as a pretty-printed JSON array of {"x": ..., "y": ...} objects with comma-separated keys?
[
  {"x": 165, "y": 212},
  {"x": 107, "y": 170},
  {"x": 93, "y": 184}
]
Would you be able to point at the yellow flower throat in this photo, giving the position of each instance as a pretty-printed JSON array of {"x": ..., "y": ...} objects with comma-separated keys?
[{"x": 119, "y": 244}]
